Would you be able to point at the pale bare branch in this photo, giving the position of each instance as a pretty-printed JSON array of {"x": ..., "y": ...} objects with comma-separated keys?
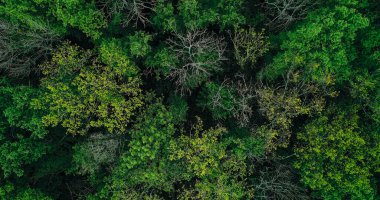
[
  {"x": 21, "y": 49},
  {"x": 200, "y": 54},
  {"x": 131, "y": 12},
  {"x": 282, "y": 13}
]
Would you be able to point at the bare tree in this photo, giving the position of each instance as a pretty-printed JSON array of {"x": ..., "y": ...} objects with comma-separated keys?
[
  {"x": 21, "y": 48},
  {"x": 200, "y": 54},
  {"x": 103, "y": 148},
  {"x": 282, "y": 13},
  {"x": 277, "y": 181},
  {"x": 131, "y": 12},
  {"x": 245, "y": 95},
  {"x": 98, "y": 150}
]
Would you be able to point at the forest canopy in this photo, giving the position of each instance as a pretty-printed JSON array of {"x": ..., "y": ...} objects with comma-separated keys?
[{"x": 190, "y": 99}]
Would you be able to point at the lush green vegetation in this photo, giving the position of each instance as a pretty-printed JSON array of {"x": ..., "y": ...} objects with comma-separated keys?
[{"x": 190, "y": 99}]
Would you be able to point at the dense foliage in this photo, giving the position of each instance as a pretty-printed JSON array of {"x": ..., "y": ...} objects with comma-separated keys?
[{"x": 189, "y": 99}]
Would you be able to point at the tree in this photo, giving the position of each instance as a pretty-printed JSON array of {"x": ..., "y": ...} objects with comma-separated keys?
[
  {"x": 248, "y": 46},
  {"x": 364, "y": 87},
  {"x": 276, "y": 180},
  {"x": 322, "y": 46},
  {"x": 334, "y": 157},
  {"x": 145, "y": 166},
  {"x": 21, "y": 129},
  {"x": 30, "y": 14},
  {"x": 14, "y": 155},
  {"x": 281, "y": 104},
  {"x": 229, "y": 99},
  {"x": 162, "y": 61},
  {"x": 178, "y": 108},
  {"x": 9, "y": 191},
  {"x": 17, "y": 110},
  {"x": 199, "y": 55},
  {"x": 153, "y": 129},
  {"x": 221, "y": 187},
  {"x": 201, "y": 151},
  {"x": 128, "y": 12},
  {"x": 195, "y": 14},
  {"x": 218, "y": 173},
  {"x": 219, "y": 99},
  {"x": 245, "y": 94},
  {"x": 139, "y": 44},
  {"x": 83, "y": 15},
  {"x": 59, "y": 13},
  {"x": 97, "y": 150},
  {"x": 83, "y": 94},
  {"x": 22, "y": 48},
  {"x": 283, "y": 13},
  {"x": 164, "y": 18}
]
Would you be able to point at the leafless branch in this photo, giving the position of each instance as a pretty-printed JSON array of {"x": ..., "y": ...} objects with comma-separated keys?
[
  {"x": 282, "y": 13},
  {"x": 199, "y": 54},
  {"x": 132, "y": 12},
  {"x": 21, "y": 49},
  {"x": 276, "y": 181},
  {"x": 245, "y": 94}
]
